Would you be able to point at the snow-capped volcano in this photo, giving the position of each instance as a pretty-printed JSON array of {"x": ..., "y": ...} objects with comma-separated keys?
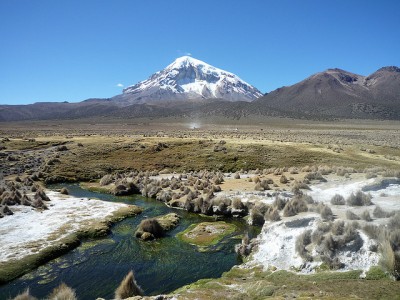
[{"x": 190, "y": 78}]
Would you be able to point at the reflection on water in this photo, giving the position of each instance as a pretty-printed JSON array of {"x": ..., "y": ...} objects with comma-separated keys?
[{"x": 96, "y": 268}]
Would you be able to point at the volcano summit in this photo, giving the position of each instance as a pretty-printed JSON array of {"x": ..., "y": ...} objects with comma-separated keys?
[{"x": 189, "y": 78}]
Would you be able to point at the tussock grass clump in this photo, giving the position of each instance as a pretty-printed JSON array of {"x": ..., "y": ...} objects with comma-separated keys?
[
  {"x": 380, "y": 213},
  {"x": 331, "y": 237},
  {"x": 338, "y": 200},
  {"x": 295, "y": 206},
  {"x": 262, "y": 185},
  {"x": 244, "y": 249},
  {"x": 64, "y": 191},
  {"x": 106, "y": 180},
  {"x": 391, "y": 173},
  {"x": 315, "y": 176},
  {"x": 272, "y": 215},
  {"x": 351, "y": 216},
  {"x": 394, "y": 239},
  {"x": 24, "y": 296},
  {"x": 325, "y": 211},
  {"x": 317, "y": 236},
  {"x": 394, "y": 221},
  {"x": 62, "y": 292},
  {"x": 366, "y": 216},
  {"x": 389, "y": 240},
  {"x": 128, "y": 287},
  {"x": 302, "y": 241},
  {"x": 390, "y": 259},
  {"x": 151, "y": 226},
  {"x": 359, "y": 199},
  {"x": 337, "y": 227},
  {"x": 257, "y": 216},
  {"x": 308, "y": 199},
  {"x": 373, "y": 231},
  {"x": 283, "y": 179},
  {"x": 237, "y": 203},
  {"x": 298, "y": 186}
]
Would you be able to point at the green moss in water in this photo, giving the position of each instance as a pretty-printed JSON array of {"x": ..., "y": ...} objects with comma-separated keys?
[{"x": 206, "y": 234}]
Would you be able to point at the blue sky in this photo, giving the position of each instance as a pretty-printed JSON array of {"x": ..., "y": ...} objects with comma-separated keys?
[{"x": 74, "y": 50}]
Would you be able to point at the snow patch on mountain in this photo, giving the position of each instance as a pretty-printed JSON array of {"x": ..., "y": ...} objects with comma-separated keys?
[{"x": 190, "y": 78}]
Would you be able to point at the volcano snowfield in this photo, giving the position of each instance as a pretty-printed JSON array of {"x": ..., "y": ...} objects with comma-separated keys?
[{"x": 258, "y": 163}]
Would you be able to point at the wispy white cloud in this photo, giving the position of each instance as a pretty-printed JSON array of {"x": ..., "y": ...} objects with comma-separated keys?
[
  {"x": 120, "y": 85},
  {"x": 180, "y": 52}
]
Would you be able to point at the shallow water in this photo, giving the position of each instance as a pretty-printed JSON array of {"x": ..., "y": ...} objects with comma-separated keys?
[{"x": 96, "y": 268}]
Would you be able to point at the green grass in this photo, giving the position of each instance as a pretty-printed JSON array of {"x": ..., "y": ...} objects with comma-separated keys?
[{"x": 254, "y": 283}]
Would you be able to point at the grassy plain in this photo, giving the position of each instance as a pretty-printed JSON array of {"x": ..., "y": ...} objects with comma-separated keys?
[{"x": 97, "y": 147}]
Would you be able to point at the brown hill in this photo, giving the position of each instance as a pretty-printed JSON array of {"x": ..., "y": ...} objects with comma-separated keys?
[{"x": 338, "y": 93}]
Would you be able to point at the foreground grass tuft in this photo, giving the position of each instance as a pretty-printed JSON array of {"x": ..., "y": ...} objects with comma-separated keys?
[{"x": 128, "y": 287}]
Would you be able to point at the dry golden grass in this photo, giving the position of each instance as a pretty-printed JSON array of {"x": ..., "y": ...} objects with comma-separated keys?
[{"x": 118, "y": 145}]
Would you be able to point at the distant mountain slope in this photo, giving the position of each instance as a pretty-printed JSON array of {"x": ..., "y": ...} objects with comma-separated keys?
[
  {"x": 333, "y": 93},
  {"x": 189, "y": 78},
  {"x": 338, "y": 93},
  {"x": 56, "y": 110}
]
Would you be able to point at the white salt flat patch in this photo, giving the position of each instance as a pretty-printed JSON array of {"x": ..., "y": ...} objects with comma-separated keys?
[
  {"x": 27, "y": 231},
  {"x": 323, "y": 192},
  {"x": 277, "y": 241},
  {"x": 277, "y": 246}
]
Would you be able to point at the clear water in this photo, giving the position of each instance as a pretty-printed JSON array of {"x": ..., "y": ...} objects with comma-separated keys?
[{"x": 96, "y": 268}]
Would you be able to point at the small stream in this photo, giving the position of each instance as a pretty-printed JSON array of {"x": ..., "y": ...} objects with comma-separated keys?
[{"x": 96, "y": 267}]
